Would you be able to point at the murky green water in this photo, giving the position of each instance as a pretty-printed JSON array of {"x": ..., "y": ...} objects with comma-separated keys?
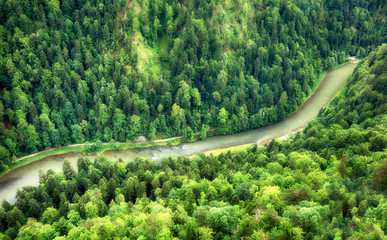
[{"x": 334, "y": 80}]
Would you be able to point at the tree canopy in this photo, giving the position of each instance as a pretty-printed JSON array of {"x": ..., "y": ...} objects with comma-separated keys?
[
  {"x": 326, "y": 182},
  {"x": 72, "y": 72}
]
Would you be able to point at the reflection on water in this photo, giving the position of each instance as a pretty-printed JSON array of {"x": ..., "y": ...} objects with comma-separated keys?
[{"x": 29, "y": 175}]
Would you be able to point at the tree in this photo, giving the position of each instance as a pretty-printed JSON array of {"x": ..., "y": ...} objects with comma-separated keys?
[
  {"x": 33, "y": 140},
  {"x": 203, "y": 131},
  {"x": 196, "y": 98},
  {"x": 119, "y": 122},
  {"x": 85, "y": 128},
  {"x": 15, "y": 218},
  {"x": 91, "y": 210},
  {"x": 98, "y": 146},
  {"x": 77, "y": 135},
  {"x": 223, "y": 219},
  {"x": 83, "y": 164},
  {"x": 178, "y": 117},
  {"x": 188, "y": 134},
  {"x": 223, "y": 126},
  {"x": 192, "y": 230},
  {"x": 11, "y": 146},
  {"x": 157, "y": 26},
  {"x": 103, "y": 115},
  {"x": 183, "y": 95},
  {"x": 135, "y": 127},
  {"x": 34, "y": 208},
  {"x": 247, "y": 227},
  {"x": 108, "y": 134},
  {"x": 268, "y": 98},
  {"x": 5, "y": 157},
  {"x": 68, "y": 170},
  {"x": 152, "y": 132},
  {"x": 217, "y": 97},
  {"x": 1, "y": 111},
  {"x": 190, "y": 202}
]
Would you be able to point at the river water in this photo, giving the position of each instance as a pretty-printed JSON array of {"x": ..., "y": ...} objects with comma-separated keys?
[{"x": 334, "y": 80}]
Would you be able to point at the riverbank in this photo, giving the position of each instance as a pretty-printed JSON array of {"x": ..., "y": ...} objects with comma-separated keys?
[
  {"x": 80, "y": 148},
  {"x": 245, "y": 147},
  {"x": 113, "y": 146}
]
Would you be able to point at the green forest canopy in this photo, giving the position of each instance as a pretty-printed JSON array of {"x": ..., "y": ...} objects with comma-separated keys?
[
  {"x": 327, "y": 182},
  {"x": 76, "y": 71}
]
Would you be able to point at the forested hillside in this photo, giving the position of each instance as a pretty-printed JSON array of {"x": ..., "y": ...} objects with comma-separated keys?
[
  {"x": 76, "y": 71},
  {"x": 328, "y": 182}
]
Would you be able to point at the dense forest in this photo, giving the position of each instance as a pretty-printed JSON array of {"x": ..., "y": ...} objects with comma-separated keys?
[
  {"x": 327, "y": 182},
  {"x": 77, "y": 71}
]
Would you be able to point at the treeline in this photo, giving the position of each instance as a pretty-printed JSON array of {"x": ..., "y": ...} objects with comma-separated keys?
[
  {"x": 76, "y": 71},
  {"x": 327, "y": 182}
]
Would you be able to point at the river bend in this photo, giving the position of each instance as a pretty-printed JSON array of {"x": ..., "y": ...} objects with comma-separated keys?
[{"x": 333, "y": 81}]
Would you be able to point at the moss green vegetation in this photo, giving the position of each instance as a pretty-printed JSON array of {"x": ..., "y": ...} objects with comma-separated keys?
[
  {"x": 328, "y": 181},
  {"x": 77, "y": 71},
  {"x": 125, "y": 146},
  {"x": 233, "y": 150}
]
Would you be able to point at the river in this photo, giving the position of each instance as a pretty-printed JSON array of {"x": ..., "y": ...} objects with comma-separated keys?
[{"x": 333, "y": 81}]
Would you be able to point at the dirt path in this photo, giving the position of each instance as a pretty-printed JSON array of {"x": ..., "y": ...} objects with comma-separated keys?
[
  {"x": 83, "y": 144},
  {"x": 48, "y": 150},
  {"x": 119, "y": 143}
]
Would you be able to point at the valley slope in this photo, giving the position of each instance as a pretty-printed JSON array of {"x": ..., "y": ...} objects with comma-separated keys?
[
  {"x": 328, "y": 181},
  {"x": 79, "y": 71}
]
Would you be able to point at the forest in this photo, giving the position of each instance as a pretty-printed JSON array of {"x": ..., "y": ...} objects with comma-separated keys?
[
  {"x": 114, "y": 70},
  {"x": 327, "y": 182}
]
